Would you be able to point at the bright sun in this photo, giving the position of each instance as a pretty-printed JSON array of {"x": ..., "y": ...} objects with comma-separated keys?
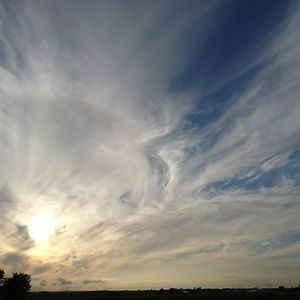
[{"x": 41, "y": 227}]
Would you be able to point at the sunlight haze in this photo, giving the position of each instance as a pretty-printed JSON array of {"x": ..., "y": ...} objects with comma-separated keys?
[{"x": 150, "y": 144}]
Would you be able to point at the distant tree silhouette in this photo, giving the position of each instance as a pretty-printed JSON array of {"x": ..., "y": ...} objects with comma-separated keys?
[
  {"x": 2, "y": 274},
  {"x": 17, "y": 286}
]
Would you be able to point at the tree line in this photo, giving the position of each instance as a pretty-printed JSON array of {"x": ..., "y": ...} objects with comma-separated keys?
[{"x": 16, "y": 286}]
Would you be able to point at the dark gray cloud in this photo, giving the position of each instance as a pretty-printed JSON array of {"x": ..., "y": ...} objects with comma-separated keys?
[
  {"x": 15, "y": 261},
  {"x": 205, "y": 250},
  {"x": 41, "y": 269},
  {"x": 86, "y": 261},
  {"x": 17, "y": 236},
  {"x": 22, "y": 239},
  {"x": 7, "y": 199},
  {"x": 93, "y": 281},
  {"x": 43, "y": 283},
  {"x": 63, "y": 281}
]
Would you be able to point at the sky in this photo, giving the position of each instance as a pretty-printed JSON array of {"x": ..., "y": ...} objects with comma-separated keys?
[{"x": 150, "y": 144}]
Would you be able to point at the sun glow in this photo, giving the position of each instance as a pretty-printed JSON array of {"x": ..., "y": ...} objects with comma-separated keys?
[{"x": 41, "y": 227}]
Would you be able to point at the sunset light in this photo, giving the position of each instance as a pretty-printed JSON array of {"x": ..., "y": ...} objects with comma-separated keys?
[
  {"x": 41, "y": 227},
  {"x": 150, "y": 144}
]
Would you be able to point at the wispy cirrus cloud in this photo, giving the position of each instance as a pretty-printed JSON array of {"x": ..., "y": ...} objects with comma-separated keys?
[{"x": 98, "y": 124}]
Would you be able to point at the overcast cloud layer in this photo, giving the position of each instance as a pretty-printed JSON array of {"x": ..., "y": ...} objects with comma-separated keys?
[{"x": 165, "y": 144}]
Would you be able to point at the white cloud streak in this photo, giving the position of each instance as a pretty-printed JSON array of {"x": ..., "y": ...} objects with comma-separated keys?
[{"x": 90, "y": 130}]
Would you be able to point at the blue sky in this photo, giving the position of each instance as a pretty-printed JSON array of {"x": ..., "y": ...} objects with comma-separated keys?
[{"x": 140, "y": 138}]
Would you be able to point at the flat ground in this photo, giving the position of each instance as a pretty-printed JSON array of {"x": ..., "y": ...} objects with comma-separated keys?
[{"x": 166, "y": 295}]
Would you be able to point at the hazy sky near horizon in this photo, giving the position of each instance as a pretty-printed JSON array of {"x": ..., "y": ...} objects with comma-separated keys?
[{"x": 148, "y": 144}]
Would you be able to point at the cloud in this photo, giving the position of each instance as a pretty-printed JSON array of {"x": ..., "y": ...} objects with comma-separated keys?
[
  {"x": 41, "y": 269},
  {"x": 15, "y": 262},
  {"x": 7, "y": 200},
  {"x": 63, "y": 281},
  {"x": 22, "y": 238},
  {"x": 43, "y": 283},
  {"x": 93, "y": 281},
  {"x": 98, "y": 125}
]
